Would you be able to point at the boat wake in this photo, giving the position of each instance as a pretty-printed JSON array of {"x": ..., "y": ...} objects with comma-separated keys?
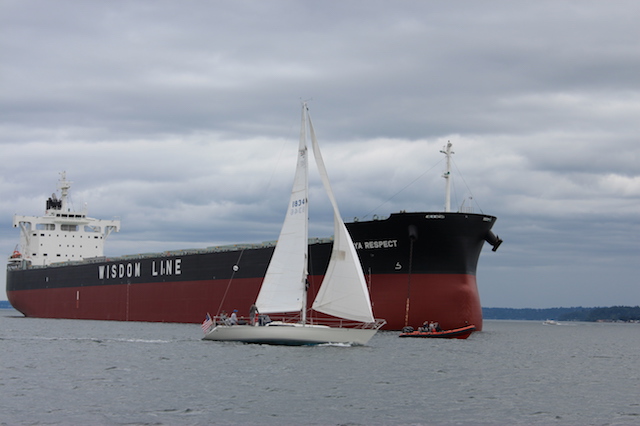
[{"x": 92, "y": 339}]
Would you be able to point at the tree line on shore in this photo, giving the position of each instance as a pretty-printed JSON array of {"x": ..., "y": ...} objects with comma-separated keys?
[{"x": 613, "y": 313}]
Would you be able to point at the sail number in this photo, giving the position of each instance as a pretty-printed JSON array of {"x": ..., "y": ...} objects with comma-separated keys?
[{"x": 297, "y": 206}]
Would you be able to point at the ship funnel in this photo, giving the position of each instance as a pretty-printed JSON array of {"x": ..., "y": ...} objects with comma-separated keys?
[{"x": 493, "y": 239}]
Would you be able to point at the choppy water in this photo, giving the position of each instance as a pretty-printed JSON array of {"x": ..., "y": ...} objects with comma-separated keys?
[{"x": 95, "y": 372}]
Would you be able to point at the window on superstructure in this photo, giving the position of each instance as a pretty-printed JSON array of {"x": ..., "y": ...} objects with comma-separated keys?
[{"x": 70, "y": 228}]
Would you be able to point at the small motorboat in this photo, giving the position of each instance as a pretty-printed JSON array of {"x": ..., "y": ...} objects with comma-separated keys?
[{"x": 455, "y": 333}]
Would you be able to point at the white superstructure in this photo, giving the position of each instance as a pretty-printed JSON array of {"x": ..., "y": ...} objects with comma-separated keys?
[{"x": 62, "y": 234}]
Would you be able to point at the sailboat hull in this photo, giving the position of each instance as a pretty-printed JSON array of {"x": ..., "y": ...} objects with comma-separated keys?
[{"x": 290, "y": 334}]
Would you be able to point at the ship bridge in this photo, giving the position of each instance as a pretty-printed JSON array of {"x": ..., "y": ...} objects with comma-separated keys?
[{"x": 61, "y": 234}]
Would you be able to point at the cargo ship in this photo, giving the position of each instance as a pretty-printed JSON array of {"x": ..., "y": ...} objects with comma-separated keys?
[{"x": 418, "y": 266}]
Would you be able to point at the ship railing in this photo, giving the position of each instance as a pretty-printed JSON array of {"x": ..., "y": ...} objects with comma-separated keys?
[
  {"x": 215, "y": 249},
  {"x": 97, "y": 259},
  {"x": 328, "y": 321},
  {"x": 173, "y": 253},
  {"x": 375, "y": 218},
  {"x": 13, "y": 266},
  {"x": 344, "y": 323}
]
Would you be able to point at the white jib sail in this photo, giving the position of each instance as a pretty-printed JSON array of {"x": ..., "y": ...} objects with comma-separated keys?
[
  {"x": 343, "y": 292},
  {"x": 284, "y": 283}
]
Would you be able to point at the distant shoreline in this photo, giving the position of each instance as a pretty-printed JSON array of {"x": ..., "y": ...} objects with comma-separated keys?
[{"x": 597, "y": 314}]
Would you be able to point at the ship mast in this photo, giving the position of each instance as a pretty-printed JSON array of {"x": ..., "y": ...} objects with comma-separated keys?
[
  {"x": 447, "y": 175},
  {"x": 64, "y": 186}
]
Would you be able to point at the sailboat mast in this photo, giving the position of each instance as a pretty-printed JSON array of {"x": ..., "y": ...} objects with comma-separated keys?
[
  {"x": 447, "y": 176},
  {"x": 303, "y": 150}
]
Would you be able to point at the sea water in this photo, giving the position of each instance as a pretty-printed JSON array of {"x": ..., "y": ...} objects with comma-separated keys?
[{"x": 131, "y": 373}]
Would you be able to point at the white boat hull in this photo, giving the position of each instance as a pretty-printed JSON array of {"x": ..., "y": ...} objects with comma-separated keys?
[{"x": 290, "y": 334}]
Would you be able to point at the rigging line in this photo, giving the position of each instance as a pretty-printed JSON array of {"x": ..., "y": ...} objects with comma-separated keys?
[
  {"x": 465, "y": 184},
  {"x": 277, "y": 167},
  {"x": 234, "y": 269},
  {"x": 406, "y": 312},
  {"x": 285, "y": 142},
  {"x": 407, "y": 186}
]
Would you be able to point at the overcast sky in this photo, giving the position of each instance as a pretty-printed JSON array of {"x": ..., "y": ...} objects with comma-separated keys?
[{"x": 182, "y": 117}]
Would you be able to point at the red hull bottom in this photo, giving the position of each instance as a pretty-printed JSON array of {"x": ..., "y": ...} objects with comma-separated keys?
[{"x": 450, "y": 299}]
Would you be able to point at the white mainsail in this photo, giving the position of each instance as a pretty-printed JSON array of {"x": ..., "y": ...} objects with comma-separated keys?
[
  {"x": 283, "y": 287},
  {"x": 343, "y": 292}
]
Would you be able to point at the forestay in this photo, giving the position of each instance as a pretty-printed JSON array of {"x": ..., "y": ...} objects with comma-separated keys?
[{"x": 343, "y": 292}]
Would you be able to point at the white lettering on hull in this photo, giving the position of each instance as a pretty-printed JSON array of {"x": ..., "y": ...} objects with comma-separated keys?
[
  {"x": 383, "y": 244},
  {"x": 166, "y": 267},
  {"x": 134, "y": 269}
]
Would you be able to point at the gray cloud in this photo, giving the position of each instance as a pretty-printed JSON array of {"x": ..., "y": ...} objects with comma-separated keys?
[{"x": 181, "y": 120}]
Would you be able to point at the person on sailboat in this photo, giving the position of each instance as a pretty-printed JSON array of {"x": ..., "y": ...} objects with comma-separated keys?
[
  {"x": 264, "y": 319},
  {"x": 253, "y": 314},
  {"x": 233, "y": 320}
]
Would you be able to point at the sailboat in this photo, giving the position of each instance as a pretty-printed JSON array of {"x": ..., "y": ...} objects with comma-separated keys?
[{"x": 343, "y": 296}]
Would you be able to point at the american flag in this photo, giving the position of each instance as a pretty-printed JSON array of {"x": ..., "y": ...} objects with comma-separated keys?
[{"x": 208, "y": 322}]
